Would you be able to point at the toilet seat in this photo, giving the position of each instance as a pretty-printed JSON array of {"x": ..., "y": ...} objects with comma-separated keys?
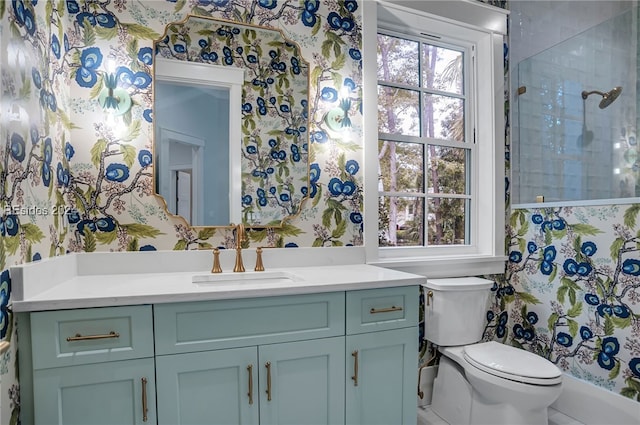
[{"x": 512, "y": 363}]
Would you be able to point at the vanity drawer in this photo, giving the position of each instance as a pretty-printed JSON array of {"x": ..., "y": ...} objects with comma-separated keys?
[
  {"x": 212, "y": 325},
  {"x": 372, "y": 310},
  {"x": 93, "y": 335}
]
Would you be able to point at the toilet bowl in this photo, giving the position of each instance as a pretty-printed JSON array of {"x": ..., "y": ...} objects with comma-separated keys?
[{"x": 482, "y": 382}]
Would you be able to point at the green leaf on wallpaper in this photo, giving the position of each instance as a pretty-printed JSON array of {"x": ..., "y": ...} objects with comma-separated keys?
[
  {"x": 128, "y": 154},
  {"x": 561, "y": 293},
  {"x": 179, "y": 5},
  {"x": 513, "y": 220},
  {"x": 339, "y": 62},
  {"x": 633, "y": 383},
  {"x": 559, "y": 234},
  {"x": 615, "y": 371},
  {"x": 97, "y": 150},
  {"x": 585, "y": 229},
  {"x": 340, "y": 229},
  {"x": 621, "y": 322},
  {"x": 48, "y": 8},
  {"x": 141, "y": 230},
  {"x": 89, "y": 242},
  {"x": 609, "y": 326},
  {"x": 2, "y": 6},
  {"x": 524, "y": 229},
  {"x": 616, "y": 246},
  {"x": 133, "y": 131},
  {"x": 3, "y": 256},
  {"x": 32, "y": 233},
  {"x": 140, "y": 31},
  {"x": 181, "y": 245},
  {"x": 25, "y": 90},
  {"x": 133, "y": 245},
  {"x": 337, "y": 79},
  {"x": 528, "y": 298},
  {"x": 572, "y": 296},
  {"x": 628, "y": 392},
  {"x": 207, "y": 233},
  {"x": 316, "y": 72},
  {"x": 551, "y": 322},
  {"x": 60, "y": 8},
  {"x": 337, "y": 243},
  {"x": 575, "y": 310},
  {"x": 631, "y": 215},
  {"x": 316, "y": 28},
  {"x": 105, "y": 238},
  {"x": 573, "y": 327},
  {"x": 89, "y": 33},
  {"x": 554, "y": 272},
  {"x": 317, "y": 243}
]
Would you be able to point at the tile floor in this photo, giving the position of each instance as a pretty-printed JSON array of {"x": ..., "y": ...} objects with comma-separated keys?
[{"x": 427, "y": 417}]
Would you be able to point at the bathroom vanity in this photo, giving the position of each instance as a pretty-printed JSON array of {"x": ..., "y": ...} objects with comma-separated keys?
[{"x": 328, "y": 344}]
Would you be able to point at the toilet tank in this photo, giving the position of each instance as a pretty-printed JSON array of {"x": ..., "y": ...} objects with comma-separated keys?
[{"x": 455, "y": 310}]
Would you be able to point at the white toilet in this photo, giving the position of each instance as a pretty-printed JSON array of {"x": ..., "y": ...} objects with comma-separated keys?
[{"x": 482, "y": 382}]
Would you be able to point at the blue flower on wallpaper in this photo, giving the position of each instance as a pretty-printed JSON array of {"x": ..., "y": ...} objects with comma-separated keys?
[
  {"x": 319, "y": 137},
  {"x": 105, "y": 224},
  {"x": 90, "y": 60},
  {"x": 351, "y": 5},
  {"x": 588, "y": 248},
  {"x": 127, "y": 78},
  {"x": 18, "y": 150},
  {"x": 284, "y": 197},
  {"x": 591, "y": 299},
  {"x": 570, "y": 267},
  {"x": 5, "y": 294},
  {"x": 308, "y": 15},
  {"x": 55, "y": 46},
  {"x": 634, "y": 365},
  {"x": 490, "y": 316},
  {"x": 262, "y": 197},
  {"x": 355, "y": 217},
  {"x": 247, "y": 107},
  {"x": 585, "y": 333},
  {"x": 355, "y": 54},
  {"x": 117, "y": 172},
  {"x": 291, "y": 245},
  {"x": 66, "y": 43},
  {"x": 37, "y": 79},
  {"x": 145, "y": 158},
  {"x": 549, "y": 254},
  {"x": 262, "y": 108},
  {"x": 247, "y": 199},
  {"x": 145, "y": 55},
  {"x": 352, "y": 167},
  {"x": 329, "y": 94},
  {"x": 105, "y": 20},
  {"x": 36, "y": 257},
  {"x": 46, "y": 174},
  {"x": 24, "y": 16},
  {"x": 604, "y": 310},
  {"x": 620, "y": 311},
  {"x": 228, "y": 57},
  {"x": 501, "y": 329},
  {"x": 147, "y": 115},
  {"x": 48, "y": 100},
  {"x": 69, "y": 151},
  {"x": 148, "y": 248},
  {"x": 295, "y": 153},
  {"x": 63, "y": 175},
  {"x": 338, "y": 187},
  {"x": 11, "y": 225},
  {"x": 631, "y": 266},
  {"x": 584, "y": 269},
  {"x": 515, "y": 256},
  {"x": 3, "y": 232},
  {"x": 564, "y": 339},
  {"x": 546, "y": 225},
  {"x": 608, "y": 350},
  {"x": 268, "y": 4},
  {"x": 314, "y": 176},
  {"x": 521, "y": 332},
  {"x": 532, "y": 318},
  {"x": 81, "y": 17},
  {"x": 72, "y": 7},
  {"x": 86, "y": 224},
  {"x": 73, "y": 216},
  {"x": 558, "y": 224},
  {"x": 337, "y": 22},
  {"x": 537, "y": 219},
  {"x": 532, "y": 247},
  {"x": 278, "y": 155}
]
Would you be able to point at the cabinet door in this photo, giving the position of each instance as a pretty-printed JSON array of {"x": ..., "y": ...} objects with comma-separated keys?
[
  {"x": 302, "y": 382},
  {"x": 209, "y": 387},
  {"x": 102, "y": 393},
  {"x": 382, "y": 375}
]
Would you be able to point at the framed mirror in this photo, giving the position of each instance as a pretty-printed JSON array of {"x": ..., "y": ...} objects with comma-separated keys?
[{"x": 230, "y": 123}]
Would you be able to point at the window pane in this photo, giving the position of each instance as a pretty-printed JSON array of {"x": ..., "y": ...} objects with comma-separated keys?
[
  {"x": 401, "y": 221},
  {"x": 397, "y": 60},
  {"x": 442, "y": 69},
  {"x": 447, "y": 221},
  {"x": 398, "y": 111},
  {"x": 443, "y": 117},
  {"x": 447, "y": 170},
  {"x": 401, "y": 167}
]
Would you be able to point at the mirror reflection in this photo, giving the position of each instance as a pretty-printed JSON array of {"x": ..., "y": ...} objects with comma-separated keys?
[{"x": 231, "y": 123}]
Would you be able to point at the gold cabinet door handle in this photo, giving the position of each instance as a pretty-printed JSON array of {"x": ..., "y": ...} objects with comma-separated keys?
[
  {"x": 355, "y": 368},
  {"x": 78, "y": 337},
  {"x": 268, "y": 366},
  {"x": 429, "y": 297},
  {"x": 385, "y": 310},
  {"x": 250, "y": 394},
  {"x": 145, "y": 408}
]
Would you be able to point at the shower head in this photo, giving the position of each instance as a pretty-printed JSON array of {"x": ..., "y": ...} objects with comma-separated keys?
[{"x": 607, "y": 98}]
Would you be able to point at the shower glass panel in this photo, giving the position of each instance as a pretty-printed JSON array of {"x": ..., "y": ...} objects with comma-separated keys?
[{"x": 573, "y": 148}]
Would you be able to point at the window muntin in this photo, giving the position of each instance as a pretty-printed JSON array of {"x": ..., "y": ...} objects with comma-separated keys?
[{"x": 438, "y": 120}]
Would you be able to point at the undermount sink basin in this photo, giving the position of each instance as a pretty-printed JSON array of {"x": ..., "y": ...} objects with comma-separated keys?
[{"x": 271, "y": 277}]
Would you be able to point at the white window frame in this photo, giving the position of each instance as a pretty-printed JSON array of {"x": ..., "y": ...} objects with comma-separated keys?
[{"x": 486, "y": 253}]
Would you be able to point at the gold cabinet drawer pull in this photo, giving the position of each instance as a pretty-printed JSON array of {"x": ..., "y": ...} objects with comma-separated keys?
[
  {"x": 79, "y": 337},
  {"x": 145, "y": 408},
  {"x": 385, "y": 310}
]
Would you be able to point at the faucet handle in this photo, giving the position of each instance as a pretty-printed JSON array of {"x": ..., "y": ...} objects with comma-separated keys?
[
  {"x": 216, "y": 261},
  {"x": 259, "y": 265}
]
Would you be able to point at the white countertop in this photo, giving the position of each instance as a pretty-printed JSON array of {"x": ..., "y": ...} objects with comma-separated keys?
[{"x": 113, "y": 279}]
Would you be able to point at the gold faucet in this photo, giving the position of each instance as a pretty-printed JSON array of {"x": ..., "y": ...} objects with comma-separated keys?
[{"x": 240, "y": 237}]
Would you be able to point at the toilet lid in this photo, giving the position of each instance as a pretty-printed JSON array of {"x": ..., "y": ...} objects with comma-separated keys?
[{"x": 512, "y": 363}]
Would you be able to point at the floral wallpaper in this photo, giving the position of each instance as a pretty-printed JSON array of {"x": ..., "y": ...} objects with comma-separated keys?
[{"x": 571, "y": 292}]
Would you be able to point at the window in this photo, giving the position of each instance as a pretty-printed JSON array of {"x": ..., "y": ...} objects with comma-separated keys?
[{"x": 438, "y": 144}]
